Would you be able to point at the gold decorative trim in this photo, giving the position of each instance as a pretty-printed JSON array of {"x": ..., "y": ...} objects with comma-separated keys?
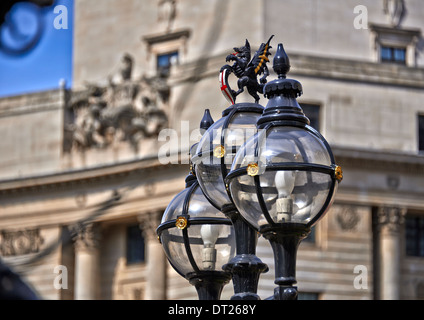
[
  {"x": 338, "y": 172},
  {"x": 181, "y": 223},
  {"x": 219, "y": 152},
  {"x": 253, "y": 169}
]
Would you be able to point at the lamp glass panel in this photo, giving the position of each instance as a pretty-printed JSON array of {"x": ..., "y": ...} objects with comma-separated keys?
[
  {"x": 208, "y": 165},
  {"x": 211, "y": 245},
  {"x": 288, "y": 195}
]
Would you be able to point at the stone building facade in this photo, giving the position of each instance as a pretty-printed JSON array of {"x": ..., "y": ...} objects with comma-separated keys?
[{"x": 82, "y": 189}]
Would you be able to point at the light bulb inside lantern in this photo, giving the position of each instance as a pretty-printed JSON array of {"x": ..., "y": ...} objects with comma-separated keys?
[
  {"x": 209, "y": 234},
  {"x": 284, "y": 182}
]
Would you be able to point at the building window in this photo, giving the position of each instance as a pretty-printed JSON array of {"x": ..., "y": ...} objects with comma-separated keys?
[
  {"x": 166, "y": 61},
  {"x": 394, "y": 45},
  {"x": 393, "y": 55},
  {"x": 135, "y": 245},
  {"x": 312, "y": 111},
  {"x": 167, "y": 49},
  {"x": 414, "y": 233},
  {"x": 421, "y": 133}
]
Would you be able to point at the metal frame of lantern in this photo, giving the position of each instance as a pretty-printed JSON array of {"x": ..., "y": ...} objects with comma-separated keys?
[
  {"x": 314, "y": 177},
  {"x": 286, "y": 237},
  {"x": 208, "y": 283},
  {"x": 253, "y": 170},
  {"x": 245, "y": 267},
  {"x": 281, "y": 116},
  {"x": 221, "y": 151}
]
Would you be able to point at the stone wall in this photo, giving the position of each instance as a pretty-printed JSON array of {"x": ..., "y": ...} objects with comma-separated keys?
[{"x": 32, "y": 130}]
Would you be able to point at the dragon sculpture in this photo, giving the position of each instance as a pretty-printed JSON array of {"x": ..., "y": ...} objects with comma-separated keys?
[{"x": 247, "y": 71}]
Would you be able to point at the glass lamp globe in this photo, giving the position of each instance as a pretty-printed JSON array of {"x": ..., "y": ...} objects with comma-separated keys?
[
  {"x": 219, "y": 145},
  {"x": 286, "y": 173},
  {"x": 197, "y": 239},
  {"x": 283, "y": 180}
]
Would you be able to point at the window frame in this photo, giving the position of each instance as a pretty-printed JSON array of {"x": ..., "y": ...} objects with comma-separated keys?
[
  {"x": 393, "y": 55},
  {"x": 419, "y": 241},
  {"x": 384, "y": 36},
  {"x": 170, "y": 55},
  {"x": 165, "y": 43}
]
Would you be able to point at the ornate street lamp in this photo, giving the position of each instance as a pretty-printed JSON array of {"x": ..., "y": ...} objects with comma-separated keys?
[
  {"x": 215, "y": 155},
  {"x": 284, "y": 178},
  {"x": 198, "y": 240},
  {"x": 212, "y": 162},
  {"x": 266, "y": 169}
]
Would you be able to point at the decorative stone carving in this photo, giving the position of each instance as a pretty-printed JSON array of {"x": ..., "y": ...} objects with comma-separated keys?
[
  {"x": 347, "y": 218},
  {"x": 121, "y": 112},
  {"x": 167, "y": 12},
  {"x": 127, "y": 66},
  {"x": 85, "y": 236},
  {"x": 149, "y": 223},
  {"x": 20, "y": 242},
  {"x": 393, "y": 182},
  {"x": 81, "y": 200},
  {"x": 395, "y": 10},
  {"x": 391, "y": 219}
]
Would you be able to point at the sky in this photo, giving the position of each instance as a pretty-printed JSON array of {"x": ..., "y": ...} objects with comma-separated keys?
[{"x": 48, "y": 61}]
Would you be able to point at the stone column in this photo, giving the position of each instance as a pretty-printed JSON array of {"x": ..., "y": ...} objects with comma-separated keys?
[
  {"x": 390, "y": 221},
  {"x": 87, "y": 265},
  {"x": 155, "y": 258}
]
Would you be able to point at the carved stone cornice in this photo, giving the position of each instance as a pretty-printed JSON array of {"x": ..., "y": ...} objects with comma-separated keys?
[
  {"x": 369, "y": 159},
  {"x": 390, "y": 219},
  {"x": 32, "y": 103},
  {"x": 85, "y": 177},
  {"x": 86, "y": 237},
  {"x": 321, "y": 67}
]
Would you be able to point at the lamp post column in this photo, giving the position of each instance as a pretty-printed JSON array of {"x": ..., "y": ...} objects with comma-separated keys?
[
  {"x": 285, "y": 241},
  {"x": 390, "y": 221},
  {"x": 245, "y": 267}
]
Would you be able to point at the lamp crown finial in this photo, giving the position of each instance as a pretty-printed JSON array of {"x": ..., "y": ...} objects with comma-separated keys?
[
  {"x": 281, "y": 62},
  {"x": 207, "y": 121}
]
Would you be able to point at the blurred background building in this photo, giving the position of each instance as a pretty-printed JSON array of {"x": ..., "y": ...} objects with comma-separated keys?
[{"x": 88, "y": 86}]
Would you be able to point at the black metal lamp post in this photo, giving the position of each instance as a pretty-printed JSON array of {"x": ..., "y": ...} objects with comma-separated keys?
[
  {"x": 198, "y": 240},
  {"x": 267, "y": 170},
  {"x": 284, "y": 179},
  {"x": 212, "y": 162}
]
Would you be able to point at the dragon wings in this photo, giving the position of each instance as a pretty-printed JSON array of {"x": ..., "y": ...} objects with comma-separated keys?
[{"x": 260, "y": 59}]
